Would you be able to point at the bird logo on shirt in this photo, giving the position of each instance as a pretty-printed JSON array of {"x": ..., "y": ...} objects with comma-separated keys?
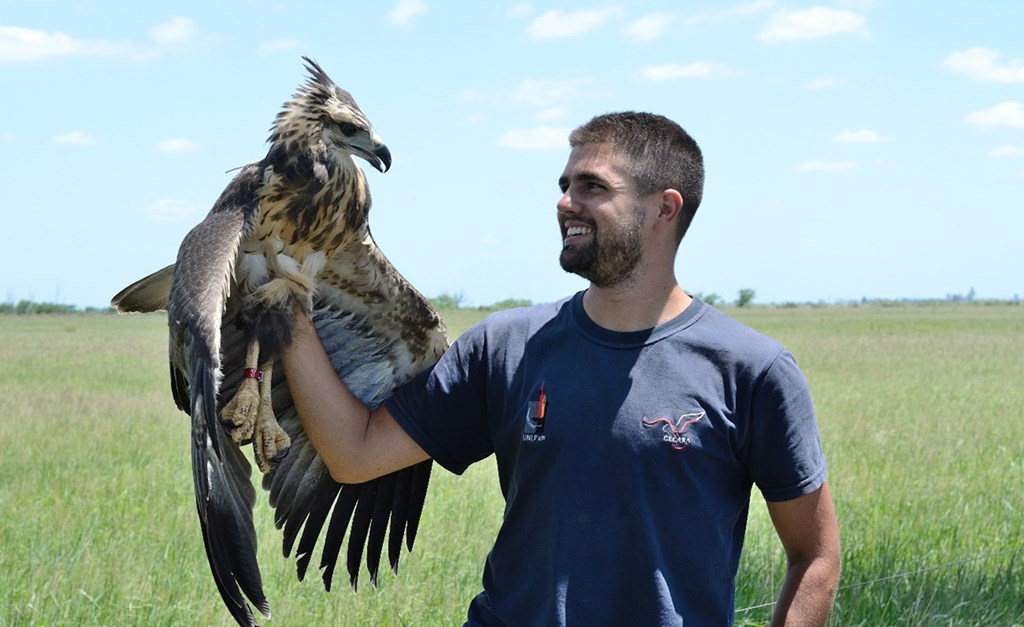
[{"x": 674, "y": 431}]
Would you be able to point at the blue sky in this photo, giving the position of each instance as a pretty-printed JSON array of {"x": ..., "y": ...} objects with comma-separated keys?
[{"x": 861, "y": 148}]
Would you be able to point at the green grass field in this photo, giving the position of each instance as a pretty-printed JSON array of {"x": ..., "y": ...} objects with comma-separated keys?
[{"x": 922, "y": 419}]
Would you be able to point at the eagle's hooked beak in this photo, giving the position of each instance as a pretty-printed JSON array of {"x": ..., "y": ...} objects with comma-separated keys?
[{"x": 381, "y": 158}]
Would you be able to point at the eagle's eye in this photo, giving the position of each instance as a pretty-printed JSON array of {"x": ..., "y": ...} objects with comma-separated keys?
[{"x": 348, "y": 129}]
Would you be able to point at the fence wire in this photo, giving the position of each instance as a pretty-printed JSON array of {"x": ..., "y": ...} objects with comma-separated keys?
[{"x": 902, "y": 575}]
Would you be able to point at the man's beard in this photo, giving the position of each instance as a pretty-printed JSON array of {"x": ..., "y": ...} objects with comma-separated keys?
[{"x": 610, "y": 260}]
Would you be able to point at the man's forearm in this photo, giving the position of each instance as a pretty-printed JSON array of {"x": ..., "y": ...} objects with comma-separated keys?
[
  {"x": 355, "y": 444},
  {"x": 808, "y": 593},
  {"x": 331, "y": 416}
]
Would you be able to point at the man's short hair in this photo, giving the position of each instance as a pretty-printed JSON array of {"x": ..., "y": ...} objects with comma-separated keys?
[{"x": 659, "y": 155}]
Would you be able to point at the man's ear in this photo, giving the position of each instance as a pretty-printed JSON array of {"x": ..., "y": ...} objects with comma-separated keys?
[{"x": 670, "y": 204}]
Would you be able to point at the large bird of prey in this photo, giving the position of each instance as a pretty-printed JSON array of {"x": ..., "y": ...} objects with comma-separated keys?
[{"x": 291, "y": 228}]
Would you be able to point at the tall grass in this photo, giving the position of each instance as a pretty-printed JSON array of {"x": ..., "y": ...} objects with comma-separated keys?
[
  {"x": 922, "y": 419},
  {"x": 921, "y": 416}
]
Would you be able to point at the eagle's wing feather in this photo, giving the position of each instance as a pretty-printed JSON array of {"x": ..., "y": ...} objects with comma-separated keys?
[
  {"x": 378, "y": 526},
  {"x": 199, "y": 296},
  {"x": 302, "y": 492}
]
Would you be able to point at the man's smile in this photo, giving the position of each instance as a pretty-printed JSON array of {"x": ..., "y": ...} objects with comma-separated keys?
[{"x": 577, "y": 231}]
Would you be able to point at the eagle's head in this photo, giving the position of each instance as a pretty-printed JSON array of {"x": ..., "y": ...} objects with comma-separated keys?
[{"x": 324, "y": 123}]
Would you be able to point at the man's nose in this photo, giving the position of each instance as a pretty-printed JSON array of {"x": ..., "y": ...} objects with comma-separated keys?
[{"x": 564, "y": 204}]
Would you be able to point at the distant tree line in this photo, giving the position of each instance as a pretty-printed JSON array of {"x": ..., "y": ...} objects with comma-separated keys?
[
  {"x": 455, "y": 301},
  {"x": 30, "y": 307},
  {"x": 448, "y": 301},
  {"x": 744, "y": 298}
]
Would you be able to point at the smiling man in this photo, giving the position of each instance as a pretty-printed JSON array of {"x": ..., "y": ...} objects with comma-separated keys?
[{"x": 629, "y": 421}]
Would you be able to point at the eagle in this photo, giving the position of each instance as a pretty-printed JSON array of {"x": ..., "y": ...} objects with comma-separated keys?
[{"x": 291, "y": 229}]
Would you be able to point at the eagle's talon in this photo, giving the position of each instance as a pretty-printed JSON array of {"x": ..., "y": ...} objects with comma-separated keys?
[
  {"x": 239, "y": 415},
  {"x": 270, "y": 442},
  {"x": 270, "y": 445}
]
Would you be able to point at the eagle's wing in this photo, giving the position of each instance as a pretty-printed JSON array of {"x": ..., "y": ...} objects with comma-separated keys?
[
  {"x": 199, "y": 297},
  {"x": 303, "y": 492},
  {"x": 207, "y": 349}
]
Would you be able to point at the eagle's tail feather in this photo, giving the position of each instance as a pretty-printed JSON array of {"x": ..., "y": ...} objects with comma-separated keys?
[
  {"x": 382, "y": 507},
  {"x": 312, "y": 520},
  {"x": 343, "y": 508},
  {"x": 360, "y": 528},
  {"x": 417, "y": 498},
  {"x": 220, "y": 475},
  {"x": 407, "y": 505}
]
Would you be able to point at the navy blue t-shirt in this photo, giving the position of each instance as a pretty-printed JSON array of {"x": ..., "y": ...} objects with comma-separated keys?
[{"x": 626, "y": 459}]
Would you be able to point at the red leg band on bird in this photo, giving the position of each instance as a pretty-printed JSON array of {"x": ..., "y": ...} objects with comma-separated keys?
[{"x": 253, "y": 373}]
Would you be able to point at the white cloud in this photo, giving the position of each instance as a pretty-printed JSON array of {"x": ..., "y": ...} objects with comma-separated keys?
[
  {"x": 981, "y": 64},
  {"x": 859, "y": 5},
  {"x": 176, "y": 145},
  {"x": 550, "y": 114},
  {"x": 743, "y": 9},
  {"x": 520, "y": 9},
  {"x": 78, "y": 138},
  {"x": 825, "y": 82},
  {"x": 175, "y": 31},
  {"x": 539, "y": 138},
  {"x": 1009, "y": 113},
  {"x": 752, "y": 7},
  {"x": 280, "y": 45},
  {"x": 26, "y": 44},
  {"x": 536, "y": 93},
  {"x": 697, "y": 69},
  {"x": 862, "y": 136},
  {"x": 650, "y": 26},
  {"x": 818, "y": 165},
  {"x": 1006, "y": 150},
  {"x": 812, "y": 23},
  {"x": 558, "y": 24},
  {"x": 172, "y": 210},
  {"x": 405, "y": 11}
]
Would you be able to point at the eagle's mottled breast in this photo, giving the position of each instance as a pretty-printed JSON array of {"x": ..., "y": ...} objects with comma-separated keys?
[{"x": 302, "y": 213}]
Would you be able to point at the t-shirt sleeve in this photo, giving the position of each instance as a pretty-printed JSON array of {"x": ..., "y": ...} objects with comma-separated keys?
[
  {"x": 444, "y": 408},
  {"x": 786, "y": 459}
]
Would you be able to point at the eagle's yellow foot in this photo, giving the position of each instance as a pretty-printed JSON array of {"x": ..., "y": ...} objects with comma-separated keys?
[
  {"x": 270, "y": 443},
  {"x": 239, "y": 415}
]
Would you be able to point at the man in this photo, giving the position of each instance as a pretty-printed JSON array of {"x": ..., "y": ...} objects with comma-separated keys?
[{"x": 629, "y": 421}]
